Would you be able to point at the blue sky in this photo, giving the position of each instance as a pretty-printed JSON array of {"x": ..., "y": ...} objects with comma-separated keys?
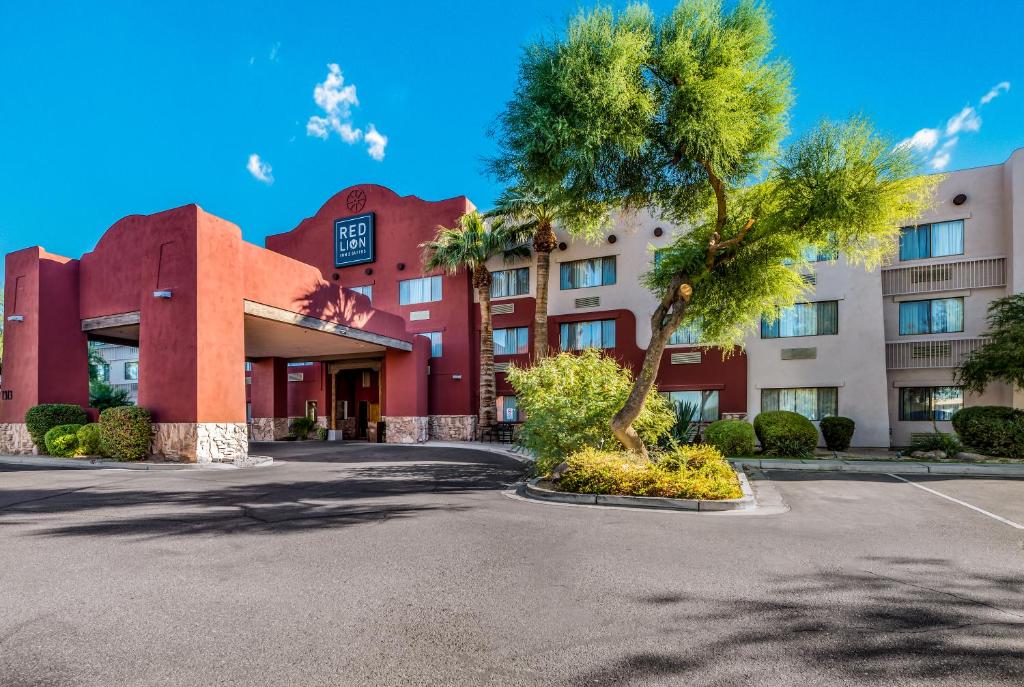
[{"x": 108, "y": 109}]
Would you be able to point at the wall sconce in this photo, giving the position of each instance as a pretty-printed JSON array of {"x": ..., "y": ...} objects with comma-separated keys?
[
  {"x": 658, "y": 231},
  {"x": 15, "y": 318},
  {"x": 612, "y": 238},
  {"x": 163, "y": 293},
  {"x": 401, "y": 266}
]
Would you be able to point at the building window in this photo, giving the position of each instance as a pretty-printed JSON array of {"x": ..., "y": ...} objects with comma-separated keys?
[
  {"x": 511, "y": 341},
  {"x": 932, "y": 240},
  {"x": 935, "y": 316},
  {"x": 366, "y": 379},
  {"x": 248, "y": 366},
  {"x": 311, "y": 410},
  {"x": 299, "y": 363},
  {"x": 686, "y": 334},
  {"x": 575, "y": 336},
  {"x": 706, "y": 402},
  {"x": 803, "y": 319},
  {"x": 812, "y": 403},
  {"x": 365, "y": 290},
  {"x": 422, "y": 290},
  {"x": 435, "y": 343},
  {"x": 508, "y": 409},
  {"x": 581, "y": 274},
  {"x": 131, "y": 371},
  {"x": 930, "y": 402},
  {"x": 103, "y": 372},
  {"x": 510, "y": 282}
]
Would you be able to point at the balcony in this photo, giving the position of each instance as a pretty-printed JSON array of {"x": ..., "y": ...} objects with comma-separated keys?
[
  {"x": 909, "y": 355},
  {"x": 974, "y": 273}
]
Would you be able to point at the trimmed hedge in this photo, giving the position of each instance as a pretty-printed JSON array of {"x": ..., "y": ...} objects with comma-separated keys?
[
  {"x": 42, "y": 418},
  {"x": 992, "y": 430},
  {"x": 62, "y": 440},
  {"x": 89, "y": 439},
  {"x": 785, "y": 433},
  {"x": 838, "y": 431},
  {"x": 731, "y": 437},
  {"x": 124, "y": 432}
]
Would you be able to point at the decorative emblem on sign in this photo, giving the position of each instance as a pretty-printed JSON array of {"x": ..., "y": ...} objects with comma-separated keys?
[
  {"x": 356, "y": 200},
  {"x": 354, "y": 240}
]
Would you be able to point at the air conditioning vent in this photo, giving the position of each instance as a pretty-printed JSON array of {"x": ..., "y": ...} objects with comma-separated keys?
[
  {"x": 295, "y": 376},
  {"x": 419, "y": 315},
  {"x": 588, "y": 302},
  {"x": 931, "y": 349},
  {"x": 809, "y": 279},
  {"x": 503, "y": 309},
  {"x": 688, "y": 358},
  {"x": 931, "y": 273},
  {"x": 501, "y": 367},
  {"x": 799, "y": 353}
]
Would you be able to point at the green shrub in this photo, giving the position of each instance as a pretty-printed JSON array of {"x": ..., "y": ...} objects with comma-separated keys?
[
  {"x": 731, "y": 437},
  {"x": 838, "y": 431},
  {"x": 321, "y": 433},
  {"x": 992, "y": 430},
  {"x": 124, "y": 432},
  {"x": 689, "y": 472},
  {"x": 42, "y": 418},
  {"x": 785, "y": 433},
  {"x": 89, "y": 439},
  {"x": 302, "y": 426},
  {"x": 937, "y": 441},
  {"x": 62, "y": 440},
  {"x": 103, "y": 396},
  {"x": 569, "y": 400}
]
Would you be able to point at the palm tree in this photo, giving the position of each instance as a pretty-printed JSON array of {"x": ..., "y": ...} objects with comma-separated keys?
[{"x": 469, "y": 246}]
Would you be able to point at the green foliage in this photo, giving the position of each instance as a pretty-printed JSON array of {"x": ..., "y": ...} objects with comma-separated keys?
[
  {"x": 1002, "y": 358},
  {"x": 125, "y": 432},
  {"x": 992, "y": 430},
  {"x": 685, "y": 427},
  {"x": 321, "y": 433},
  {"x": 96, "y": 362},
  {"x": 89, "y": 440},
  {"x": 838, "y": 431},
  {"x": 731, "y": 437},
  {"x": 41, "y": 418},
  {"x": 570, "y": 398},
  {"x": 936, "y": 441},
  {"x": 472, "y": 243},
  {"x": 690, "y": 472},
  {"x": 785, "y": 433},
  {"x": 62, "y": 440},
  {"x": 103, "y": 396},
  {"x": 302, "y": 426}
]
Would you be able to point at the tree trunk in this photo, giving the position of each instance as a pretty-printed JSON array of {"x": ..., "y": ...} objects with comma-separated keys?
[
  {"x": 544, "y": 241},
  {"x": 488, "y": 401},
  {"x": 664, "y": 321}
]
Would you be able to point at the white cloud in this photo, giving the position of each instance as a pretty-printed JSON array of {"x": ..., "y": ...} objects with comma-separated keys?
[
  {"x": 274, "y": 50},
  {"x": 260, "y": 170},
  {"x": 1001, "y": 87},
  {"x": 922, "y": 141},
  {"x": 337, "y": 99},
  {"x": 965, "y": 120},
  {"x": 376, "y": 142}
]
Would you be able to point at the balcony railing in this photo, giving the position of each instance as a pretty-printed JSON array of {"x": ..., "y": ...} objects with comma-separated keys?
[
  {"x": 974, "y": 273},
  {"x": 906, "y": 355}
]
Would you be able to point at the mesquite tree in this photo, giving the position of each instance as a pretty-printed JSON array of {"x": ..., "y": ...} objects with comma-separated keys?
[{"x": 685, "y": 114}]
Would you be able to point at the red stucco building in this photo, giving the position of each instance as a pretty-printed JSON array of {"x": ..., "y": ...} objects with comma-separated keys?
[{"x": 383, "y": 344}]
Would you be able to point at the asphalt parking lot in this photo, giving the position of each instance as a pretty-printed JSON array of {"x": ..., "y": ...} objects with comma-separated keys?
[{"x": 383, "y": 565}]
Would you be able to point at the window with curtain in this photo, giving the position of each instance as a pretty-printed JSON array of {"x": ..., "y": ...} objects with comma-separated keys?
[
  {"x": 705, "y": 400},
  {"x": 813, "y": 403},
  {"x": 803, "y": 319},
  {"x": 365, "y": 290},
  {"x": 131, "y": 371},
  {"x": 581, "y": 274},
  {"x": 686, "y": 334},
  {"x": 421, "y": 290},
  {"x": 515, "y": 282},
  {"x": 927, "y": 403},
  {"x": 508, "y": 409},
  {"x": 511, "y": 340},
  {"x": 932, "y": 240},
  {"x": 933, "y": 316},
  {"x": 103, "y": 372},
  {"x": 435, "y": 343},
  {"x": 575, "y": 336}
]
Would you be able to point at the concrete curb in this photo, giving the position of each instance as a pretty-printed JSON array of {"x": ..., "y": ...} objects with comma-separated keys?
[
  {"x": 883, "y": 466},
  {"x": 100, "y": 464},
  {"x": 534, "y": 490},
  {"x": 522, "y": 456}
]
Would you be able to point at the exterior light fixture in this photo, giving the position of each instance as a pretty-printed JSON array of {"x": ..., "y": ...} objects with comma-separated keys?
[
  {"x": 658, "y": 231},
  {"x": 562, "y": 246},
  {"x": 612, "y": 238},
  {"x": 368, "y": 271},
  {"x": 15, "y": 318},
  {"x": 335, "y": 276},
  {"x": 163, "y": 293},
  {"x": 960, "y": 199},
  {"x": 401, "y": 266}
]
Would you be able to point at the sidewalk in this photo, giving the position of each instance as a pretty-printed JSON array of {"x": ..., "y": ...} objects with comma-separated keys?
[
  {"x": 896, "y": 467},
  {"x": 101, "y": 464}
]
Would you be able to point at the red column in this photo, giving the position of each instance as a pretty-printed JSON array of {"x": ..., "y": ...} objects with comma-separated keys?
[
  {"x": 269, "y": 394},
  {"x": 404, "y": 406}
]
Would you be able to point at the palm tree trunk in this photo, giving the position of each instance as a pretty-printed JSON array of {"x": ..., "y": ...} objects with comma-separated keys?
[
  {"x": 664, "y": 321},
  {"x": 544, "y": 241},
  {"x": 488, "y": 401}
]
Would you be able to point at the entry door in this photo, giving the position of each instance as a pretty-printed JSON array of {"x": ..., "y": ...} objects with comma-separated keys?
[{"x": 363, "y": 416}]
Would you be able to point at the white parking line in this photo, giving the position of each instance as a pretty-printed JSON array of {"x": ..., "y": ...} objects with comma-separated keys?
[{"x": 1001, "y": 519}]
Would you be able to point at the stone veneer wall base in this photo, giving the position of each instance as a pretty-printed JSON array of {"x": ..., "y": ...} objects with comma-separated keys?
[
  {"x": 405, "y": 430},
  {"x": 452, "y": 427},
  {"x": 15, "y": 440},
  {"x": 268, "y": 428},
  {"x": 200, "y": 442}
]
